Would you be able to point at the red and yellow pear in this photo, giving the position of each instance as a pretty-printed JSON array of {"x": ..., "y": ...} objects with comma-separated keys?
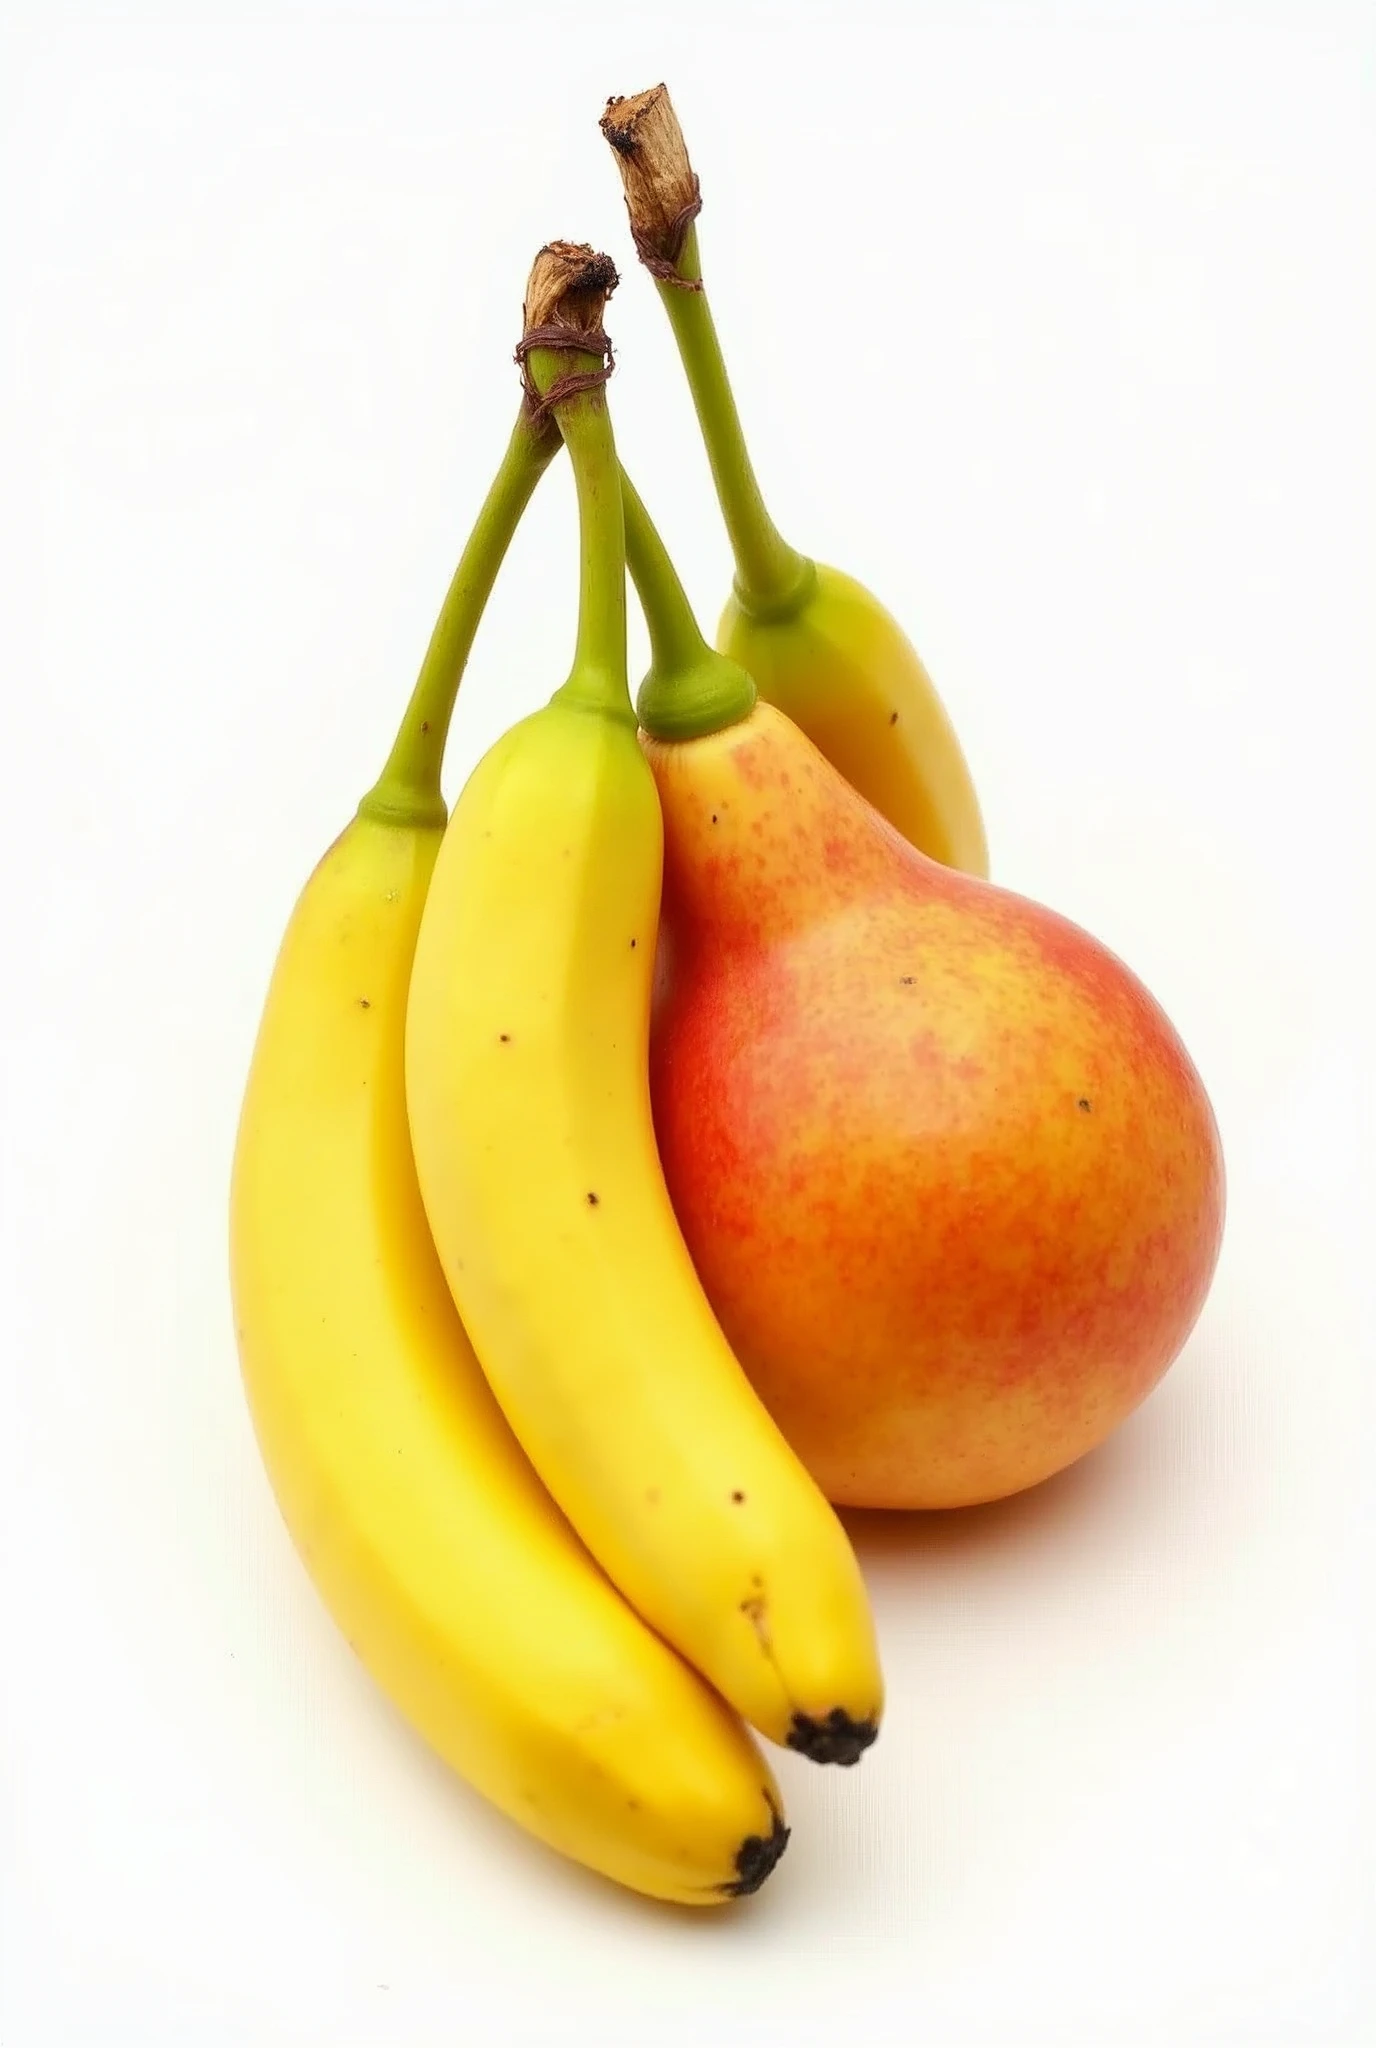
[{"x": 949, "y": 1177}]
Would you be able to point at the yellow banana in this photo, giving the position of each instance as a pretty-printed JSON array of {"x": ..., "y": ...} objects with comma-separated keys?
[
  {"x": 527, "y": 1082},
  {"x": 442, "y": 1558},
  {"x": 818, "y": 644}
]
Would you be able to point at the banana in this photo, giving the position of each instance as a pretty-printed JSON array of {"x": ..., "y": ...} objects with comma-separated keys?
[
  {"x": 526, "y": 1066},
  {"x": 527, "y": 1083},
  {"x": 441, "y": 1557},
  {"x": 819, "y": 646}
]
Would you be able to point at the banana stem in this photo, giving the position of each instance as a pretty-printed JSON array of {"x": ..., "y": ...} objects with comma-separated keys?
[
  {"x": 408, "y": 790},
  {"x": 598, "y": 678},
  {"x": 771, "y": 576}
]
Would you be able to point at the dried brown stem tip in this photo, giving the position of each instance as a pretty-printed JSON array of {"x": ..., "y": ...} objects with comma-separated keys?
[
  {"x": 662, "y": 196},
  {"x": 565, "y": 298},
  {"x": 569, "y": 287}
]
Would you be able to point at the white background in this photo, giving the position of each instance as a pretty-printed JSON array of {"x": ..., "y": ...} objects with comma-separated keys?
[{"x": 1055, "y": 324}]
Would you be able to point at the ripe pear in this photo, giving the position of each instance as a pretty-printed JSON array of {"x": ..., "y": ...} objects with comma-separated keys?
[{"x": 949, "y": 1177}]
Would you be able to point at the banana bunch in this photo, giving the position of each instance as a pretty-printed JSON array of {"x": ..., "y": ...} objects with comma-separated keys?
[
  {"x": 443, "y": 1557},
  {"x": 527, "y": 1475}
]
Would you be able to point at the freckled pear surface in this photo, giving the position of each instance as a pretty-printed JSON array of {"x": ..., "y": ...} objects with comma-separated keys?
[{"x": 948, "y": 1175}]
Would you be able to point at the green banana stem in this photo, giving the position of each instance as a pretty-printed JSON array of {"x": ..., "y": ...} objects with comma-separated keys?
[
  {"x": 772, "y": 578},
  {"x": 690, "y": 689},
  {"x": 408, "y": 790},
  {"x": 598, "y": 678}
]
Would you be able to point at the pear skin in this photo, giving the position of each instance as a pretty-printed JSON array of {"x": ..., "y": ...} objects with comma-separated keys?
[
  {"x": 948, "y": 1175},
  {"x": 842, "y": 668}
]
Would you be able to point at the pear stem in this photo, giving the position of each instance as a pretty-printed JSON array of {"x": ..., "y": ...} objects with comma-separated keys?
[
  {"x": 690, "y": 689},
  {"x": 676, "y": 639},
  {"x": 408, "y": 790}
]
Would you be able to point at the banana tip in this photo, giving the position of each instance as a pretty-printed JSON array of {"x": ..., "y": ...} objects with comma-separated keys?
[
  {"x": 836, "y": 1739},
  {"x": 757, "y": 1856}
]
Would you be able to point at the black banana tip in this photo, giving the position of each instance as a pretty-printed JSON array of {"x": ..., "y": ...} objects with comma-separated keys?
[
  {"x": 835, "y": 1740},
  {"x": 757, "y": 1856}
]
